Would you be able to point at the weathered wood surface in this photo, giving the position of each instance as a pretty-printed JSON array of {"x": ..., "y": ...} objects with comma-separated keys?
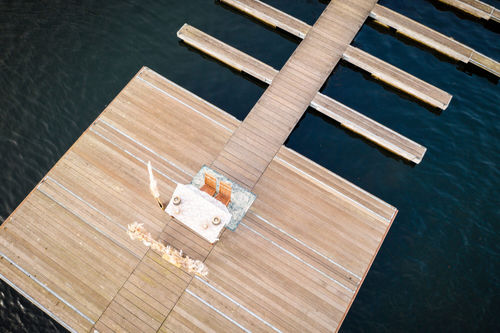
[
  {"x": 476, "y": 8},
  {"x": 434, "y": 39},
  {"x": 296, "y": 261},
  {"x": 376, "y": 67},
  {"x": 346, "y": 116},
  {"x": 290, "y": 93}
]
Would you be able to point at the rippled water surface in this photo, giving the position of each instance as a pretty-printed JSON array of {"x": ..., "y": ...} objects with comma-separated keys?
[{"x": 62, "y": 62}]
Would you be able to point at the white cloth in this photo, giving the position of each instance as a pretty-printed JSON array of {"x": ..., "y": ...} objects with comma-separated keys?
[{"x": 196, "y": 209}]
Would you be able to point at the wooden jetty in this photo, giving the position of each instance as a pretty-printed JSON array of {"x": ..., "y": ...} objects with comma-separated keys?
[
  {"x": 295, "y": 262},
  {"x": 301, "y": 253},
  {"x": 346, "y": 116},
  {"x": 476, "y": 8},
  {"x": 376, "y": 67},
  {"x": 387, "y": 17},
  {"x": 433, "y": 39}
]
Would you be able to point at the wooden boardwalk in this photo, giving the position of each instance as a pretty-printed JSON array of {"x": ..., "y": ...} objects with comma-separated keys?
[
  {"x": 257, "y": 139},
  {"x": 376, "y": 67},
  {"x": 346, "y": 116},
  {"x": 294, "y": 264},
  {"x": 476, "y": 8}
]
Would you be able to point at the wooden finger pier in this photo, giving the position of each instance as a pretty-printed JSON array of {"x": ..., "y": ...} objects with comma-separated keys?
[{"x": 296, "y": 261}]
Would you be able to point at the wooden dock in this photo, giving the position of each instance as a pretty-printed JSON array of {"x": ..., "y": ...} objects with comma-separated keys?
[
  {"x": 475, "y": 8},
  {"x": 300, "y": 255},
  {"x": 346, "y": 116},
  {"x": 433, "y": 39},
  {"x": 295, "y": 262},
  {"x": 377, "y": 68}
]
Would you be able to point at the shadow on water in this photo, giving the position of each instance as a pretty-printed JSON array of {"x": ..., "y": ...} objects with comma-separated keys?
[
  {"x": 490, "y": 25},
  {"x": 332, "y": 122},
  {"x": 465, "y": 68}
]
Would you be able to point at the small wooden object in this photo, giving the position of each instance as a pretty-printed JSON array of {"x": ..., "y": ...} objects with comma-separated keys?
[
  {"x": 210, "y": 185},
  {"x": 224, "y": 195}
]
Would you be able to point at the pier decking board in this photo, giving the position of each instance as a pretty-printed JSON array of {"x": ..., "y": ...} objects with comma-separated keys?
[
  {"x": 346, "y": 116},
  {"x": 433, "y": 39},
  {"x": 376, "y": 67},
  {"x": 74, "y": 259}
]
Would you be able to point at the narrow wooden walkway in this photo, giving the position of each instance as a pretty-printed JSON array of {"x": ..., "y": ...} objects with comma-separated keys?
[
  {"x": 346, "y": 116},
  {"x": 434, "y": 39},
  {"x": 476, "y": 8},
  {"x": 294, "y": 264},
  {"x": 376, "y": 67},
  {"x": 267, "y": 126}
]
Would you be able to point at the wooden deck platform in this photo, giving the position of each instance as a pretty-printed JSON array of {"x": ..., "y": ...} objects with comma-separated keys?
[
  {"x": 346, "y": 116},
  {"x": 434, "y": 39},
  {"x": 376, "y": 67},
  {"x": 294, "y": 264},
  {"x": 476, "y": 8}
]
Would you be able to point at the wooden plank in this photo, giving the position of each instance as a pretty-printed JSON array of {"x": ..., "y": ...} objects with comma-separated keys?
[
  {"x": 346, "y": 116},
  {"x": 474, "y": 7},
  {"x": 495, "y": 16},
  {"x": 485, "y": 63},
  {"x": 270, "y": 15},
  {"x": 432, "y": 38},
  {"x": 397, "y": 78},
  {"x": 370, "y": 129}
]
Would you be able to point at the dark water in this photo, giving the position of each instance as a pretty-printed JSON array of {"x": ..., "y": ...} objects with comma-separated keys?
[{"x": 61, "y": 62}]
